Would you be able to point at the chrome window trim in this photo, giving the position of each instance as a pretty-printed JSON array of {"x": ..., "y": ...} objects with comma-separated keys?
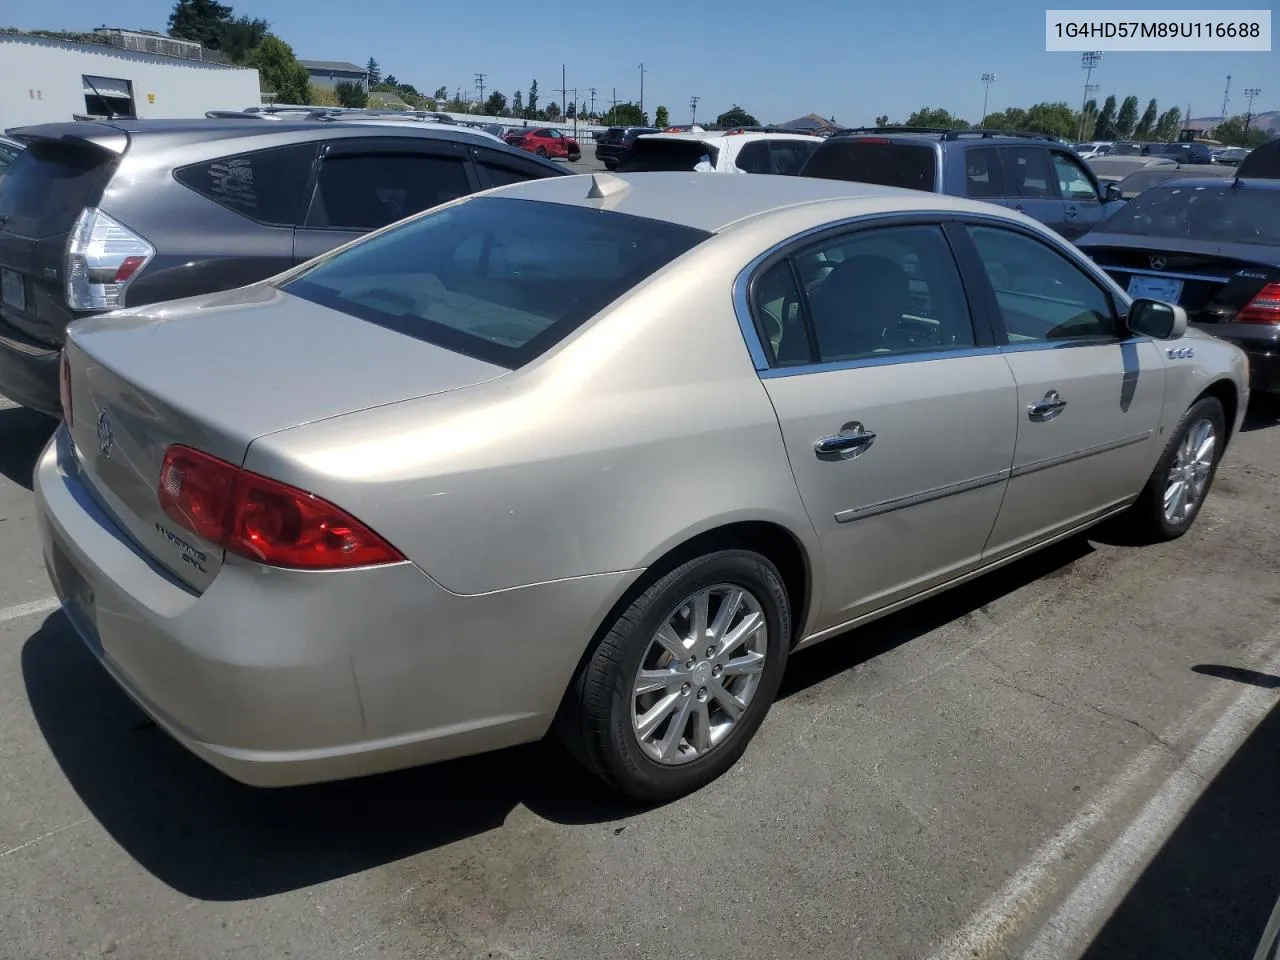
[
  {"x": 1169, "y": 273},
  {"x": 760, "y": 359}
]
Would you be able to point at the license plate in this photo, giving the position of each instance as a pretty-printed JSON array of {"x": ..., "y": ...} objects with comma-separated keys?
[
  {"x": 13, "y": 290},
  {"x": 1165, "y": 289}
]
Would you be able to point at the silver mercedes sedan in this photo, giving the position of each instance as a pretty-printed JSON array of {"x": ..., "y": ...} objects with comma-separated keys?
[{"x": 595, "y": 454}]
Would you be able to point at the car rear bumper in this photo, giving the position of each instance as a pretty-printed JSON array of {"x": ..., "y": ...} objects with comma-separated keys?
[
  {"x": 1261, "y": 344},
  {"x": 29, "y": 372},
  {"x": 281, "y": 677}
]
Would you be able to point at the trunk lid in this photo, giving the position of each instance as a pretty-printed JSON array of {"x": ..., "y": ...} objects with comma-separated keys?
[
  {"x": 1214, "y": 283},
  {"x": 63, "y": 169},
  {"x": 215, "y": 373}
]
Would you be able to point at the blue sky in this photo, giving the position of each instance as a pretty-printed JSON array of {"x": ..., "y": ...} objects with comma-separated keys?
[{"x": 778, "y": 60}]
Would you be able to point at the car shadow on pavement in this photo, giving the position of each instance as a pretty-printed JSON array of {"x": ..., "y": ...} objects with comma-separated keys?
[
  {"x": 23, "y": 434},
  {"x": 1210, "y": 889},
  {"x": 1263, "y": 412},
  {"x": 212, "y": 838}
]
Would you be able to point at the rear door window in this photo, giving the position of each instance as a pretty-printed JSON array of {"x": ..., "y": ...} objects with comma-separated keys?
[
  {"x": 1073, "y": 182},
  {"x": 983, "y": 177},
  {"x": 494, "y": 278},
  {"x": 268, "y": 186},
  {"x": 1027, "y": 173},
  {"x": 788, "y": 157},
  {"x": 754, "y": 157},
  {"x": 887, "y": 163},
  {"x": 369, "y": 191},
  {"x": 498, "y": 170},
  {"x": 48, "y": 184}
]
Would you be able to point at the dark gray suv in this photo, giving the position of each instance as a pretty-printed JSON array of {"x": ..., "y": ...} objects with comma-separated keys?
[
  {"x": 98, "y": 216},
  {"x": 1032, "y": 173}
]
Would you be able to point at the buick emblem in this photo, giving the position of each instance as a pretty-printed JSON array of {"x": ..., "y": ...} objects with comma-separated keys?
[
  {"x": 106, "y": 439},
  {"x": 1158, "y": 263}
]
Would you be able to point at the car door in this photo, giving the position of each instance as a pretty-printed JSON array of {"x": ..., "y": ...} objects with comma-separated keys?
[
  {"x": 752, "y": 157},
  {"x": 1089, "y": 397},
  {"x": 896, "y": 409},
  {"x": 1031, "y": 186},
  {"x": 366, "y": 184},
  {"x": 1082, "y": 203}
]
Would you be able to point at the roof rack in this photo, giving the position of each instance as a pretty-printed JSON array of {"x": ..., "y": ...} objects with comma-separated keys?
[{"x": 947, "y": 133}]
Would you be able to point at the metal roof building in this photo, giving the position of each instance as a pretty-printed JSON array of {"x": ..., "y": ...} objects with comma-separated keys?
[{"x": 329, "y": 73}]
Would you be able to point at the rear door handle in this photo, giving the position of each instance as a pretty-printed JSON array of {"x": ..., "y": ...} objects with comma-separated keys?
[
  {"x": 852, "y": 441},
  {"x": 1046, "y": 409}
]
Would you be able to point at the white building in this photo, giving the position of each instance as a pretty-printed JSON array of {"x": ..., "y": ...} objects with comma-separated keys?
[{"x": 43, "y": 80}]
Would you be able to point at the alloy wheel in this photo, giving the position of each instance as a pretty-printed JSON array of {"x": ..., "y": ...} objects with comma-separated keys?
[{"x": 1188, "y": 476}]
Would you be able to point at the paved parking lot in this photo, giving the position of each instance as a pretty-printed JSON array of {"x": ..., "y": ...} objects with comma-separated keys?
[{"x": 994, "y": 773}]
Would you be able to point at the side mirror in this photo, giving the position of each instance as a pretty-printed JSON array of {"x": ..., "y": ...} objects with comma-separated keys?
[
  {"x": 1113, "y": 192},
  {"x": 1157, "y": 319}
]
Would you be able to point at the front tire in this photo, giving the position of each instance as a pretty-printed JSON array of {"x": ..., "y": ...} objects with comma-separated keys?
[
  {"x": 541, "y": 151},
  {"x": 1171, "y": 500},
  {"x": 675, "y": 689}
]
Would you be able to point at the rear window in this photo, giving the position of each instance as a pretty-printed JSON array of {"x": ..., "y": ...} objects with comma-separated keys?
[
  {"x": 1263, "y": 161},
  {"x": 888, "y": 164},
  {"x": 1216, "y": 213},
  {"x": 649, "y": 154},
  {"x": 268, "y": 186},
  {"x": 48, "y": 184},
  {"x": 495, "y": 278}
]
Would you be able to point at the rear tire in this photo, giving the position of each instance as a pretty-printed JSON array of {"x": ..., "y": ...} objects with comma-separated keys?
[
  {"x": 611, "y": 164},
  {"x": 541, "y": 151},
  {"x": 1171, "y": 500},
  {"x": 710, "y": 700}
]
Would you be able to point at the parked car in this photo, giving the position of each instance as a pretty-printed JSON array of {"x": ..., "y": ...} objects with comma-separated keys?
[
  {"x": 545, "y": 142},
  {"x": 614, "y": 145},
  {"x": 1029, "y": 173},
  {"x": 1087, "y": 151},
  {"x": 1262, "y": 162},
  {"x": 481, "y": 467},
  {"x": 1181, "y": 151},
  {"x": 1211, "y": 246},
  {"x": 728, "y": 151},
  {"x": 97, "y": 216},
  {"x": 1229, "y": 156}
]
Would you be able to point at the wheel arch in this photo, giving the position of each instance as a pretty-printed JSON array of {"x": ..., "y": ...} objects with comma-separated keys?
[{"x": 1228, "y": 394}]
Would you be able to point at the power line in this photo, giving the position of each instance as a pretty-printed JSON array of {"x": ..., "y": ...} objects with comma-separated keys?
[{"x": 480, "y": 85}]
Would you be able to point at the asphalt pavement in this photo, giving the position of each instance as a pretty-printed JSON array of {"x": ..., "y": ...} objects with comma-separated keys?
[{"x": 1076, "y": 755}]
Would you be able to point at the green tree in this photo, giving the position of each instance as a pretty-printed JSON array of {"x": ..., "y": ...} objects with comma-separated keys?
[
  {"x": 496, "y": 105},
  {"x": 1232, "y": 132},
  {"x": 1055, "y": 119},
  {"x": 1127, "y": 118},
  {"x": 350, "y": 94},
  {"x": 239, "y": 37},
  {"x": 1104, "y": 128},
  {"x": 517, "y": 104},
  {"x": 389, "y": 82},
  {"x": 279, "y": 71},
  {"x": 936, "y": 117},
  {"x": 1147, "y": 125},
  {"x": 624, "y": 115},
  {"x": 1169, "y": 124},
  {"x": 200, "y": 20},
  {"x": 442, "y": 93},
  {"x": 1011, "y": 118},
  {"x": 735, "y": 116},
  {"x": 375, "y": 72},
  {"x": 553, "y": 111},
  {"x": 661, "y": 117},
  {"x": 882, "y": 120},
  {"x": 531, "y": 105}
]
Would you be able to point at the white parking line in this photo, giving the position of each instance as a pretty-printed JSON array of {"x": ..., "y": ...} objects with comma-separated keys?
[
  {"x": 29, "y": 609},
  {"x": 987, "y": 932}
]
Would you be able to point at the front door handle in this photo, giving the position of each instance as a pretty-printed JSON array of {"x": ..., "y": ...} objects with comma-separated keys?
[
  {"x": 1044, "y": 410},
  {"x": 1072, "y": 211},
  {"x": 852, "y": 441}
]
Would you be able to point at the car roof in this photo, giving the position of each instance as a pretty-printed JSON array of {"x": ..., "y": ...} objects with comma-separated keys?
[
  {"x": 1223, "y": 183},
  {"x": 725, "y": 134},
  {"x": 715, "y": 203}
]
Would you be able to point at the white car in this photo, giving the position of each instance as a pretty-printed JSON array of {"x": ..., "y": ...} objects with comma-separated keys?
[
  {"x": 1088, "y": 151},
  {"x": 721, "y": 151}
]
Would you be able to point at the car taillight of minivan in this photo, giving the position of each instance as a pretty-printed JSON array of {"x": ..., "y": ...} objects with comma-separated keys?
[
  {"x": 263, "y": 519},
  {"x": 103, "y": 255},
  {"x": 1263, "y": 308}
]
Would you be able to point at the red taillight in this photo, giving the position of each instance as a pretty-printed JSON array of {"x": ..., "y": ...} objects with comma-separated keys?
[
  {"x": 263, "y": 519},
  {"x": 1263, "y": 308},
  {"x": 128, "y": 267},
  {"x": 64, "y": 389},
  {"x": 873, "y": 140}
]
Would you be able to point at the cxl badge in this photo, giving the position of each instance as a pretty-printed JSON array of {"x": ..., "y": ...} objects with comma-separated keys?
[{"x": 106, "y": 439}]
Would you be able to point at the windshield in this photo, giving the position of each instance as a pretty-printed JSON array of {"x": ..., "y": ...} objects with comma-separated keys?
[
  {"x": 1214, "y": 212},
  {"x": 864, "y": 161},
  {"x": 494, "y": 278}
]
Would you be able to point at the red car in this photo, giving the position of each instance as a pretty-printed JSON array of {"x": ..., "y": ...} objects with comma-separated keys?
[{"x": 545, "y": 142}]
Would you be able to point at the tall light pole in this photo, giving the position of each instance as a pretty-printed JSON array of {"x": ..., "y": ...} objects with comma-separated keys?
[
  {"x": 1249, "y": 93},
  {"x": 987, "y": 80},
  {"x": 1088, "y": 61},
  {"x": 642, "y": 73},
  {"x": 1226, "y": 98},
  {"x": 693, "y": 111},
  {"x": 1089, "y": 90}
]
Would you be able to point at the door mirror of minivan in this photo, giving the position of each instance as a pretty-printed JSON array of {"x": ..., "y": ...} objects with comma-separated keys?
[
  {"x": 1113, "y": 192},
  {"x": 1157, "y": 319}
]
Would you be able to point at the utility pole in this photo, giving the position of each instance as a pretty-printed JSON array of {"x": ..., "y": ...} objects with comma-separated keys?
[
  {"x": 480, "y": 86},
  {"x": 563, "y": 91},
  {"x": 693, "y": 110},
  {"x": 1226, "y": 97},
  {"x": 1088, "y": 61},
  {"x": 592, "y": 111},
  {"x": 1249, "y": 93},
  {"x": 642, "y": 73},
  {"x": 613, "y": 107},
  {"x": 987, "y": 80}
]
